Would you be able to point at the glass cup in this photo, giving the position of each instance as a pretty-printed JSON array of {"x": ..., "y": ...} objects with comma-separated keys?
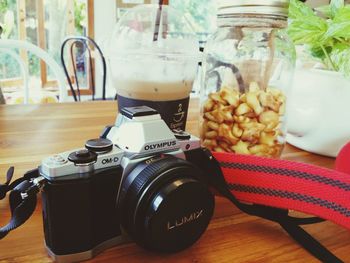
[{"x": 153, "y": 58}]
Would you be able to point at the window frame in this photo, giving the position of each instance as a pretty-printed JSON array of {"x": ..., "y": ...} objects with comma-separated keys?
[{"x": 22, "y": 34}]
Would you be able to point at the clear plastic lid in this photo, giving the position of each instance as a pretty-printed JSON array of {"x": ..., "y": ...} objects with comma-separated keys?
[
  {"x": 153, "y": 53},
  {"x": 155, "y": 31}
]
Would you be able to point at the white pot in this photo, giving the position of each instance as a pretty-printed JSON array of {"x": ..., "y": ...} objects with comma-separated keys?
[{"x": 319, "y": 111}]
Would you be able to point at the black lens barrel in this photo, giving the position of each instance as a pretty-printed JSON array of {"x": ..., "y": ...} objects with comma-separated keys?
[{"x": 164, "y": 205}]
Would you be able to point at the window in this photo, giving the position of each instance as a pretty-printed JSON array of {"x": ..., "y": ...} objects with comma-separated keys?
[{"x": 44, "y": 23}]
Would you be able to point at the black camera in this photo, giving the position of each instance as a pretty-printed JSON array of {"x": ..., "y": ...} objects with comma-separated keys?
[{"x": 139, "y": 181}]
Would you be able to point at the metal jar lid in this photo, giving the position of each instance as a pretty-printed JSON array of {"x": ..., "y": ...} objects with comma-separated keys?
[{"x": 227, "y": 8}]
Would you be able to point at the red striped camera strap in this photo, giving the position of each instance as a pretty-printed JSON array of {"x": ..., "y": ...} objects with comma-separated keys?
[{"x": 290, "y": 185}]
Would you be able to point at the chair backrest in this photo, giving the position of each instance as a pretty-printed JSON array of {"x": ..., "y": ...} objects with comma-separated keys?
[
  {"x": 86, "y": 42},
  {"x": 24, "y": 70},
  {"x": 8, "y": 45}
]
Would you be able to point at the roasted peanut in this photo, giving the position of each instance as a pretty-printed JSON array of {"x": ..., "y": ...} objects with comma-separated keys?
[
  {"x": 236, "y": 130},
  {"x": 223, "y": 130},
  {"x": 274, "y": 151},
  {"x": 219, "y": 149},
  {"x": 227, "y": 113},
  {"x": 209, "y": 116},
  {"x": 252, "y": 125},
  {"x": 243, "y": 98},
  {"x": 250, "y": 115},
  {"x": 218, "y": 116},
  {"x": 241, "y": 119},
  {"x": 228, "y": 116},
  {"x": 251, "y": 135},
  {"x": 225, "y": 133},
  {"x": 248, "y": 123},
  {"x": 277, "y": 150},
  {"x": 211, "y": 135},
  {"x": 270, "y": 119},
  {"x": 216, "y": 97},
  {"x": 259, "y": 148},
  {"x": 225, "y": 146},
  {"x": 268, "y": 100},
  {"x": 209, "y": 104},
  {"x": 243, "y": 109},
  {"x": 268, "y": 138},
  {"x": 275, "y": 92},
  {"x": 213, "y": 125},
  {"x": 210, "y": 143},
  {"x": 230, "y": 95},
  {"x": 253, "y": 102},
  {"x": 241, "y": 147}
]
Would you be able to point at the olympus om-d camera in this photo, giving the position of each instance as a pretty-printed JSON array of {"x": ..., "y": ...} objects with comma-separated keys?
[{"x": 139, "y": 181}]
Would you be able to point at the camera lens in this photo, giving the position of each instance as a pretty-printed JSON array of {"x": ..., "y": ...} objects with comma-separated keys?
[{"x": 164, "y": 205}]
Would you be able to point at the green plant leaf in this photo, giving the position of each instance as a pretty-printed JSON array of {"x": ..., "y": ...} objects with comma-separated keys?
[
  {"x": 309, "y": 31},
  {"x": 339, "y": 30},
  {"x": 343, "y": 15},
  {"x": 305, "y": 27},
  {"x": 317, "y": 52},
  {"x": 298, "y": 10},
  {"x": 340, "y": 56},
  {"x": 335, "y": 5},
  {"x": 339, "y": 27},
  {"x": 327, "y": 39}
]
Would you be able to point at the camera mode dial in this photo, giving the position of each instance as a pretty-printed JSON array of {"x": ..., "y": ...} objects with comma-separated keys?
[
  {"x": 99, "y": 145},
  {"x": 82, "y": 157}
]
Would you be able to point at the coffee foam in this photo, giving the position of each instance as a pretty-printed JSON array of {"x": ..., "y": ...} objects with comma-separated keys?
[
  {"x": 153, "y": 77},
  {"x": 154, "y": 91}
]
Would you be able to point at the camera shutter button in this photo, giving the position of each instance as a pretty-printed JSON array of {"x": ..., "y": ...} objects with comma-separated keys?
[
  {"x": 57, "y": 159},
  {"x": 82, "y": 157}
]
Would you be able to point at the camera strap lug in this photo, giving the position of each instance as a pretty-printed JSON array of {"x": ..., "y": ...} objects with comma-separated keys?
[{"x": 35, "y": 188}]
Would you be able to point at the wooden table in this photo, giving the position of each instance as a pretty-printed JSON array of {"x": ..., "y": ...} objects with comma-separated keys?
[{"x": 30, "y": 133}]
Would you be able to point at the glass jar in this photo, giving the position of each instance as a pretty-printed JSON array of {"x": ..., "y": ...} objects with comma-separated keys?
[{"x": 247, "y": 72}]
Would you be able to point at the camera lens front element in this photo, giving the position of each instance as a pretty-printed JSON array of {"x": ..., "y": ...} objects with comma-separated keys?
[
  {"x": 164, "y": 205},
  {"x": 178, "y": 215}
]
